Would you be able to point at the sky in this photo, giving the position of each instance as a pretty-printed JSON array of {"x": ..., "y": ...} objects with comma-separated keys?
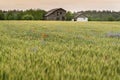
[{"x": 72, "y": 5}]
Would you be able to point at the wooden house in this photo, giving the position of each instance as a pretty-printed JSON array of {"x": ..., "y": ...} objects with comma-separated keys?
[
  {"x": 56, "y": 14},
  {"x": 80, "y": 17}
]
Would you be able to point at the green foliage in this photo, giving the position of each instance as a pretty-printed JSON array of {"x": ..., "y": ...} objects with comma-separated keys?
[
  {"x": 37, "y": 14},
  {"x": 118, "y": 19},
  {"x": 10, "y": 17},
  {"x": 1, "y": 16},
  {"x": 18, "y": 15},
  {"x": 40, "y": 50},
  {"x": 69, "y": 16},
  {"x": 102, "y": 15},
  {"x": 27, "y": 17},
  {"x": 111, "y": 19}
]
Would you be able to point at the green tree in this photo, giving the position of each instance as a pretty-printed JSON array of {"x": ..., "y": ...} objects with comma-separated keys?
[
  {"x": 110, "y": 18},
  {"x": 1, "y": 15},
  {"x": 118, "y": 19},
  {"x": 37, "y": 14},
  {"x": 28, "y": 17},
  {"x": 69, "y": 16},
  {"x": 10, "y": 17}
]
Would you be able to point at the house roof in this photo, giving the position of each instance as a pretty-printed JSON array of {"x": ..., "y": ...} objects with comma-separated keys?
[
  {"x": 53, "y": 10},
  {"x": 79, "y": 14}
]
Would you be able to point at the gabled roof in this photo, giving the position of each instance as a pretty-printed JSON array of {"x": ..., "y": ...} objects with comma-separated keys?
[
  {"x": 79, "y": 14},
  {"x": 53, "y": 10}
]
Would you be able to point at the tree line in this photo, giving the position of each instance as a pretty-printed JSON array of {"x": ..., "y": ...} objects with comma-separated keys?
[
  {"x": 102, "y": 15},
  {"x": 22, "y": 15},
  {"x": 38, "y": 14}
]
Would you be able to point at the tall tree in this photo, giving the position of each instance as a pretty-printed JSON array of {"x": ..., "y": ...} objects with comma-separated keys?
[
  {"x": 69, "y": 16},
  {"x": 1, "y": 15}
]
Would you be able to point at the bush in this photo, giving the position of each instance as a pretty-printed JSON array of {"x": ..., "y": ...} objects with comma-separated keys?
[
  {"x": 111, "y": 19},
  {"x": 1, "y": 16},
  {"x": 118, "y": 19},
  {"x": 69, "y": 16},
  {"x": 27, "y": 17}
]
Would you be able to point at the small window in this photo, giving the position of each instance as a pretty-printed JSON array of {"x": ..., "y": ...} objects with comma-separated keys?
[
  {"x": 60, "y": 12},
  {"x": 57, "y": 13}
]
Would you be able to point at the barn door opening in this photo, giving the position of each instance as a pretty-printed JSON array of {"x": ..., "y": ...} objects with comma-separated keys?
[
  {"x": 63, "y": 18},
  {"x": 58, "y": 18}
]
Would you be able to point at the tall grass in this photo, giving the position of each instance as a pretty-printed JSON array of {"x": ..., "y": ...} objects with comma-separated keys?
[{"x": 38, "y": 50}]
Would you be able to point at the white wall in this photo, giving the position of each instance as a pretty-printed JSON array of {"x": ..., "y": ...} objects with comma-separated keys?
[{"x": 82, "y": 19}]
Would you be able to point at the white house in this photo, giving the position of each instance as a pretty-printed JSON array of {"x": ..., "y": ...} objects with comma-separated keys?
[{"x": 80, "y": 17}]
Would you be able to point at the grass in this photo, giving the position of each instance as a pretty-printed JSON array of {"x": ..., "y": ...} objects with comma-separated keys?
[{"x": 39, "y": 50}]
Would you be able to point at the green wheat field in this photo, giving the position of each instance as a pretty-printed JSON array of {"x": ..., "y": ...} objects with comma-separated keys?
[{"x": 54, "y": 50}]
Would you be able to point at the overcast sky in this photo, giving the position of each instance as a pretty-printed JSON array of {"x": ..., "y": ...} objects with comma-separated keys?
[{"x": 73, "y": 5}]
